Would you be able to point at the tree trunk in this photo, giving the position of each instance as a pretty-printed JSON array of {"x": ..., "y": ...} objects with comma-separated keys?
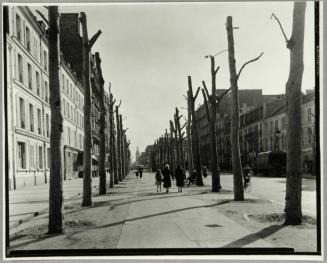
[
  {"x": 195, "y": 135},
  {"x": 122, "y": 152},
  {"x": 189, "y": 139},
  {"x": 173, "y": 147},
  {"x": 213, "y": 134},
  {"x": 87, "y": 176},
  {"x": 236, "y": 155},
  {"x": 119, "y": 160},
  {"x": 115, "y": 155},
  {"x": 56, "y": 169},
  {"x": 293, "y": 212},
  {"x": 102, "y": 146},
  {"x": 111, "y": 141}
]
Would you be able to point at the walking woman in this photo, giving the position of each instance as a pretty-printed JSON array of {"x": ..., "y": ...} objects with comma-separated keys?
[
  {"x": 179, "y": 175},
  {"x": 158, "y": 180},
  {"x": 166, "y": 178}
]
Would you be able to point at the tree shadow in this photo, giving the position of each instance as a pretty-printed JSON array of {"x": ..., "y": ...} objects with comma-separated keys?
[
  {"x": 164, "y": 213},
  {"x": 263, "y": 233}
]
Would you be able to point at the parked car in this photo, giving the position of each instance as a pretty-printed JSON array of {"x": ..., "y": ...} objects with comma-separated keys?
[{"x": 271, "y": 163}]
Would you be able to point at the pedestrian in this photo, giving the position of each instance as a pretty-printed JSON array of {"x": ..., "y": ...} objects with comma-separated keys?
[
  {"x": 204, "y": 171},
  {"x": 179, "y": 175},
  {"x": 158, "y": 180},
  {"x": 140, "y": 172},
  {"x": 247, "y": 175},
  {"x": 191, "y": 179},
  {"x": 166, "y": 178},
  {"x": 137, "y": 174}
]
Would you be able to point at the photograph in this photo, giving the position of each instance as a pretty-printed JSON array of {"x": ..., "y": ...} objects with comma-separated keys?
[{"x": 162, "y": 129}]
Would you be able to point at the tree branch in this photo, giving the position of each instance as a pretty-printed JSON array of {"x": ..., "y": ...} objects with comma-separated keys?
[
  {"x": 196, "y": 94},
  {"x": 206, "y": 105},
  {"x": 280, "y": 25},
  {"x": 216, "y": 70},
  {"x": 248, "y": 62},
  {"x": 206, "y": 90},
  {"x": 183, "y": 126},
  {"x": 184, "y": 96},
  {"x": 222, "y": 95},
  {"x": 94, "y": 38}
]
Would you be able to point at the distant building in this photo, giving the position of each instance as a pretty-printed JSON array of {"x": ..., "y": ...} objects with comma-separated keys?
[{"x": 137, "y": 155}]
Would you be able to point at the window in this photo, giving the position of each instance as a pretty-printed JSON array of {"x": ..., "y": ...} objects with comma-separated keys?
[
  {"x": 45, "y": 60},
  {"x": 48, "y": 158},
  {"x": 21, "y": 155},
  {"x": 29, "y": 74},
  {"x": 18, "y": 27},
  {"x": 283, "y": 123},
  {"x": 20, "y": 68},
  {"x": 309, "y": 114},
  {"x": 64, "y": 105},
  {"x": 47, "y": 124},
  {"x": 68, "y": 136},
  {"x": 71, "y": 112},
  {"x": 37, "y": 76},
  {"x": 276, "y": 125},
  {"x": 28, "y": 39},
  {"x": 46, "y": 90},
  {"x": 22, "y": 112},
  {"x": 67, "y": 87},
  {"x": 39, "y": 120},
  {"x": 31, "y": 118},
  {"x": 309, "y": 135},
  {"x": 40, "y": 158},
  {"x": 32, "y": 159}
]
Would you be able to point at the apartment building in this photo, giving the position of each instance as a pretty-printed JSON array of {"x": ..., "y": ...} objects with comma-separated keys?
[{"x": 29, "y": 117}]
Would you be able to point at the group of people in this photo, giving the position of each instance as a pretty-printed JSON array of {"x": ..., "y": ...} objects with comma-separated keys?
[
  {"x": 165, "y": 176},
  {"x": 139, "y": 172}
]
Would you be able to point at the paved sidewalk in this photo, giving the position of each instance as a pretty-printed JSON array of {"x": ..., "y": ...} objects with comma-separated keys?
[
  {"x": 29, "y": 202},
  {"x": 134, "y": 215}
]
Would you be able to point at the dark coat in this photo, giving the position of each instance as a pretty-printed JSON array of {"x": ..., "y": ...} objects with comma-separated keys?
[
  {"x": 166, "y": 178},
  {"x": 179, "y": 175}
]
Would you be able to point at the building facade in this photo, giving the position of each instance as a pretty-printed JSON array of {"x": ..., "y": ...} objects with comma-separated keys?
[{"x": 29, "y": 114}]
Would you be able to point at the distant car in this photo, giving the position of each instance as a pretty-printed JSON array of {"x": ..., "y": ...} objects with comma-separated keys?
[{"x": 271, "y": 163}]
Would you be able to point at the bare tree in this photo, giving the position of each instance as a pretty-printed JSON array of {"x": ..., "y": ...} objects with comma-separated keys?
[
  {"x": 56, "y": 169},
  {"x": 236, "y": 156},
  {"x": 211, "y": 105},
  {"x": 87, "y": 177},
  {"x": 173, "y": 148},
  {"x": 189, "y": 138},
  {"x": 102, "y": 121},
  {"x": 293, "y": 210},
  {"x": 111, "y": 137},
  {"x": 195, "y": 132},
  {"x": 119, "y": 159}
]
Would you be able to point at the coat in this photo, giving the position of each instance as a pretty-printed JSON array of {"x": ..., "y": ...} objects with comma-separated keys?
[
  {"x": 166, "y": 178},
  {"x": 179, "y": 175}
]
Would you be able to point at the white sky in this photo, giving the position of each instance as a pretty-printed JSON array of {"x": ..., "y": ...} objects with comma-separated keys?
[{"x": 149, "y": 49}]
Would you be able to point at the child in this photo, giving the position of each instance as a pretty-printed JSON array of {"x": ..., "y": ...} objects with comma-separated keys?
[{"x": 158, "y": 180}]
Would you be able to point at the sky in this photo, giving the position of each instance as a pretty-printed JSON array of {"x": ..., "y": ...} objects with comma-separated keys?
[{"x": 149, "y": 49}]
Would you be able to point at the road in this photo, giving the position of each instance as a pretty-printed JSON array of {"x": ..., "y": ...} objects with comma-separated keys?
[{"x": 273, "y": 188}]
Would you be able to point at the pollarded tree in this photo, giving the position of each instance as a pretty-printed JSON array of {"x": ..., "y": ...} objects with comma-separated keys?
[
  {"x": 211, "y": 105},
  {"x": 56, "y": 169},
  {"x": 293, "y": 210},
  {"x": 234, "y": 76},
  {"x": 195, "y": 132},
  {"x": 87, "y": 45},
  {"x": 102, "y": 121}
]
